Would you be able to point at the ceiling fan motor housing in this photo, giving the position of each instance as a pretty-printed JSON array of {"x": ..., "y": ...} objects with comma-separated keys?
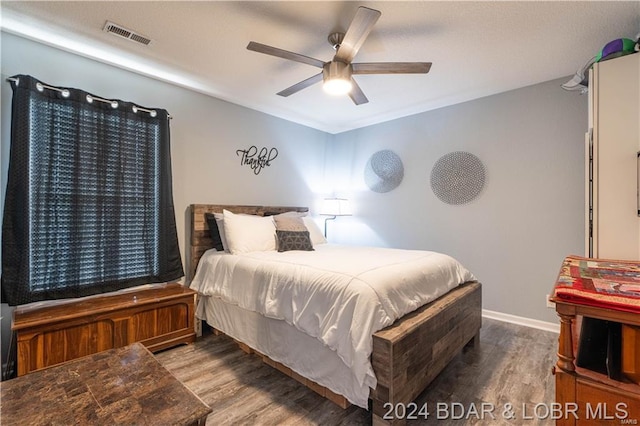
[{"x": 336, "y": 70}]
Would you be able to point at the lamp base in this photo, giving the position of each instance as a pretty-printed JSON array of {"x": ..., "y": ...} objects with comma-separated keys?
[{"x": 325, "y": 224}]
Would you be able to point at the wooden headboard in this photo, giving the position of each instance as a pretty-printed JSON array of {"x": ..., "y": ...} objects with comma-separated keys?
[{"x": 199, "y": 239}]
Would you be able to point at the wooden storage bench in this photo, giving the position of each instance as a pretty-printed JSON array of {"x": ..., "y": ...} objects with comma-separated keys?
[{"x": 158, "y": 316}]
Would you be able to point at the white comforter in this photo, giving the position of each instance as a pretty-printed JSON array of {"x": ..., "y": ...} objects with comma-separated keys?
[{"x": 340, "y": 295}]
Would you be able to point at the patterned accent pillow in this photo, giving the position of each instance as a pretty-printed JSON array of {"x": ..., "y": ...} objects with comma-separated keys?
[{"x": 294, "y": 240}]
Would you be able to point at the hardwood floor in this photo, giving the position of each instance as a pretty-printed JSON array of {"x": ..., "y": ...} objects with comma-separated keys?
[{"x": 512, "y": 365}]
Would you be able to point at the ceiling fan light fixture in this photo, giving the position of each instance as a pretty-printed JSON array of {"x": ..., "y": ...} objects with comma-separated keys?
[
  {"x": 337, "y": 73},
  {"x": 337, "y": 86},
  {"x": 337, "y": 78}
]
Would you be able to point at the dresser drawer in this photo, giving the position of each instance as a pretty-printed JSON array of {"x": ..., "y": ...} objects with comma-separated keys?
[{"x": 605, "y": 405}]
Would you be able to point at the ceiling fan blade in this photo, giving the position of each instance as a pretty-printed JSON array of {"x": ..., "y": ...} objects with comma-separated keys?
[
  {"x": 302, "y": 85},
  {"x": 274, "y": 51},
  {"x": 357, "y": 33},
  {"x": 391, "y": 68},
  {"x": 357, "y": 95}
]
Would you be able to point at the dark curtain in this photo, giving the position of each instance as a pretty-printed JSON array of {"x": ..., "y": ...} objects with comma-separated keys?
[{"x": 89, "y": 205}]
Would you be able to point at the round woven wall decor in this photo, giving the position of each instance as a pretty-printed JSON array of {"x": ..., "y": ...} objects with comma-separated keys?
[
  {"x": 457, "y": 177},
  {"x": 384, "y": 171}
]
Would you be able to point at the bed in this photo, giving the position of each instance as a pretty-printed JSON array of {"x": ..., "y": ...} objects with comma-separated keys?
[{"x": 404, "y": 354}]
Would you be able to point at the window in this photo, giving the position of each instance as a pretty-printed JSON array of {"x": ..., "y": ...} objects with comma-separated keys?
[{"x": 89, "y": 206}]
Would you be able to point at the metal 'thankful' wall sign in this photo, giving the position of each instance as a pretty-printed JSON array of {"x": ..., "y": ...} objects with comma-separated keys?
[{"x": 257, "y": 160}]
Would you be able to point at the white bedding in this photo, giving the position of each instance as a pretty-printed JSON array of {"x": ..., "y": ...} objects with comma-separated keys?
[
  {"x": 339, "y": 295},
  {"x": 285, "y": 344}
]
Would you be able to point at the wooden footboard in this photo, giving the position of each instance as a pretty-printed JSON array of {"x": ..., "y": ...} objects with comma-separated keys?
[{"x": 409, "y": 354}]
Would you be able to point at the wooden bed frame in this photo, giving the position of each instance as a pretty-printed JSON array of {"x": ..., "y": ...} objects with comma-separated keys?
[{"x": 407, "y": 355}]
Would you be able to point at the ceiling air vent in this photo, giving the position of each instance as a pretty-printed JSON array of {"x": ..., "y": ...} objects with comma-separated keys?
[{"x": 121, "y": 31}]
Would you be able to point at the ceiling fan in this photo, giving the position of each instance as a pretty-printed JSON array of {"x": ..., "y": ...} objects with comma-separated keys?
[{"x": 337, "y": 74}]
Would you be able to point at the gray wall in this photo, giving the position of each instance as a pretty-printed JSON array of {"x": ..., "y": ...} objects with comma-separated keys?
[
  {"x": 513, "y": 237},
  {"x": 530, "y": 214}
]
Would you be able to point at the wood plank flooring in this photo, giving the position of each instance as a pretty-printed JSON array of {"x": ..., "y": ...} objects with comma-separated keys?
[{"x": 511, "y": 365}]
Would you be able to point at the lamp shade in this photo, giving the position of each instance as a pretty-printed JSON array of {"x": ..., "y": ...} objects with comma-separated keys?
[{"x": 335, "y": 207}]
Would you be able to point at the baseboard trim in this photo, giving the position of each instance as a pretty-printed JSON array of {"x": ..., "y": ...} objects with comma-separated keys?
[{"x": 527, "y": 322}]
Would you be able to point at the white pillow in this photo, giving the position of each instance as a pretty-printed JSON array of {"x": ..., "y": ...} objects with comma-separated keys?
[
  {"x": 220, "y": 222},
  {"x": 317, "y": 237},
  {"x": 247, "y": 233}
]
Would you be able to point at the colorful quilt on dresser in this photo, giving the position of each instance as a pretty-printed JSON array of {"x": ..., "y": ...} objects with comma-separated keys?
[{"x": 600, "y": 282}]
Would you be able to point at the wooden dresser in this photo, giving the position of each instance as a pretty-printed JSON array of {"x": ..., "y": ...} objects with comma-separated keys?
[
  {"x": 584, "y": 396},
  {"x": 158, "y": 316}
]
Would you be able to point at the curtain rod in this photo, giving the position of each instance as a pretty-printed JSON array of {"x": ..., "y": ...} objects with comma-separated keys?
[{"x": 92, "y": 98}]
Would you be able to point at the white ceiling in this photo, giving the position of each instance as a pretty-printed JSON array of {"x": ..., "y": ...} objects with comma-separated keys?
[{"x": 477, "y": 48}]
